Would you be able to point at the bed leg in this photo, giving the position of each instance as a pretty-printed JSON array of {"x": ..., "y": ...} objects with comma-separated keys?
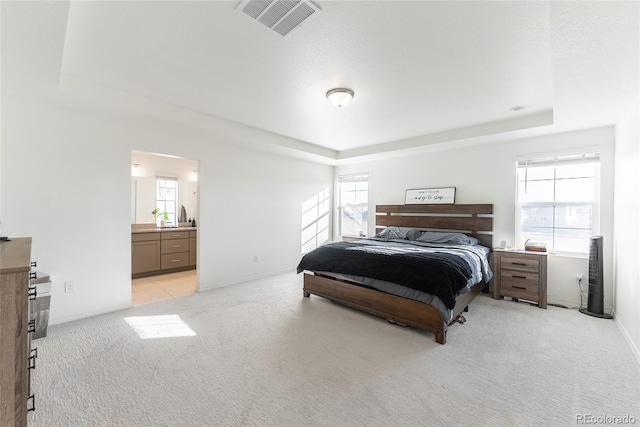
[
  {"x": 466, "y": 309},
  {"x": 305, "y": 293},
  {"x": 441, "y": 337}
]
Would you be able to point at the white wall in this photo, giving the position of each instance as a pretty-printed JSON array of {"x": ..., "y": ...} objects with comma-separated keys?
[
  {"x": 487, "y": 174},
  {"x": 66, "y": 179},
  {"x": 627, "y": 228}
]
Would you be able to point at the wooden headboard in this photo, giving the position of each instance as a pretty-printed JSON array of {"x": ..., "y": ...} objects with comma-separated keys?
[{"x": 473, "y": 220}]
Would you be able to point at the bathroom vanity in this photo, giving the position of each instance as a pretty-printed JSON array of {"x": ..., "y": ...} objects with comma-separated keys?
[{"x": 162, "y": 250}]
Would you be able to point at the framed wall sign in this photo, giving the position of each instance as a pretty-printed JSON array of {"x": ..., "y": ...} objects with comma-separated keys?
[{"x": 425, "y": 196}]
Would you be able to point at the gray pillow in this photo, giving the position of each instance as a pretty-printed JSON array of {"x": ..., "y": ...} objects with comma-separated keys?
[
  {"x": 447, "y": 238},
  {"x": 413, "y": 234},
  {"x": 402, "y": 233}
]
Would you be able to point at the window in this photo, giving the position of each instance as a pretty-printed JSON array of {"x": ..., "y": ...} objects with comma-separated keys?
[
  {"x": 167, "y": 197},
  {"x": 558, "y": 201},
  {"x": 315, "y": 221},
  {"x": 353, "y": 204}
]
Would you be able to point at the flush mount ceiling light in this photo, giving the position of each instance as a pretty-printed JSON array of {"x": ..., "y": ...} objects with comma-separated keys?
[{"x": 339, "y": 96}]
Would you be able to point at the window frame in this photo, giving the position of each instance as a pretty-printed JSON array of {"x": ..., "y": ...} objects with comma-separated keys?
[
  {"x": 350, "y": 178},
  {"x": 560, "y": 159},
  {"x": 173, "y": 216}
]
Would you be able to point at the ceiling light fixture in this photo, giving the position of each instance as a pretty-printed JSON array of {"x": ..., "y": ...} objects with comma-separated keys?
[{"x": 339, "y": 96}]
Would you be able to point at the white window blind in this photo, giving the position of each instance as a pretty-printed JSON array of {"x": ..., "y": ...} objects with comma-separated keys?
[{"x": 558, "y": 201}]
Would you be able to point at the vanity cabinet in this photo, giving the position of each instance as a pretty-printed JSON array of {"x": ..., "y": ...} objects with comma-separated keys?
[
  {"x": 16, "y": 327},
  {"x": 145, "y": 252},
  {"x": 193, "y": 248},
  {"x": 174, "y": 250},
  {"x": 162, "y": 251}
]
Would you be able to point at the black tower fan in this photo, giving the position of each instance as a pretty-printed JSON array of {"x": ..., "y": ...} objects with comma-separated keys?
[{"x": 595, "y": 297}]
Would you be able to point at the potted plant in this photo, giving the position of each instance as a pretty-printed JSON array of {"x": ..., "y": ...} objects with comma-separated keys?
[{"x": 165, "y": 216}]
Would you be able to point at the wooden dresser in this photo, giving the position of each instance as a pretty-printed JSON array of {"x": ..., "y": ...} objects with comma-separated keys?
[
  {"x": 16, "y": 327},
  {"x": 521, "y": 274}
]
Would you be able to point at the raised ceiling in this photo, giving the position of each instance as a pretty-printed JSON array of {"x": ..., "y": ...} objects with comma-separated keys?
[{"x": 423, "y": 72}]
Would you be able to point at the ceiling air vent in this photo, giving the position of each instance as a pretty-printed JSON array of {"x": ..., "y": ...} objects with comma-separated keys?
[{"x": 282, "y": 16}]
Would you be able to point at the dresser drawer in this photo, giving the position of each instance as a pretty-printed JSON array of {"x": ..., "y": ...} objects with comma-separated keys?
[
  {"x": 174, "y": 260},
  {"x": 174, "y": 246},
  {"x": 519, "y": 263}
]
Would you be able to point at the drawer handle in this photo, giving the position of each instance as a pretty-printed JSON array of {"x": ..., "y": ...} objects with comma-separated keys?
[
  {"x": 519, "y": 263},
  {"x": 519, "y": 287},
  {"x": 32, "y": 293},
  {"x": 176, "y": 260},
  {"x": 34, "y": 263},
  {"x": 33, "y": 275},
  {"x": 518, "y": 277},
  {"x": 32, "y": 358},
  {"x": 175, "y": 235},
  {"x": 31, "y": 399},
  {"x": 176, "y": 246},
  {"x": 31, "y": 326}
]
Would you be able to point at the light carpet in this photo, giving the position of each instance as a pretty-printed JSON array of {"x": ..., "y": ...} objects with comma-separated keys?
[{"x": 259, "y": 354}]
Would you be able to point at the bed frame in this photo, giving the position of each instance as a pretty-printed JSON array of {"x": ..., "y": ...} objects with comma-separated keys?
[{"x": 474, "y": 220}]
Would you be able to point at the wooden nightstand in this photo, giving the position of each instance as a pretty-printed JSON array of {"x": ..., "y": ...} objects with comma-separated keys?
[{"x": 521, "y": 274}]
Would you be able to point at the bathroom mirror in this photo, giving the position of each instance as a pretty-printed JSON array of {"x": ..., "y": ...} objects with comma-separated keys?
[{"x": 145, "y": 168}]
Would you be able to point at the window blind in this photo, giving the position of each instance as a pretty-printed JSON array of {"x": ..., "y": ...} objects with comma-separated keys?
[
  {"x": 560, "y": 160},
  {"x": 360, "y": 177}
]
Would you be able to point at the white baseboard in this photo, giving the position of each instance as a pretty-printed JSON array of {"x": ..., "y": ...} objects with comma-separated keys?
[
  {"x": 208, "y": 287},
  {"x": 571, "y": 304},
  {"x": 84, "y": 314},
  {"x": 632, "y": 345}
]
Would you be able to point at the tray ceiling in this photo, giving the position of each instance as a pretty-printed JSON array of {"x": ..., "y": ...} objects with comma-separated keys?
[{"x": 423, "y": 72}]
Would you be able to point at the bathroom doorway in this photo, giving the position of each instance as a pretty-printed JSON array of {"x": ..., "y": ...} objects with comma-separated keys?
[{"x": 164, "y": 227}]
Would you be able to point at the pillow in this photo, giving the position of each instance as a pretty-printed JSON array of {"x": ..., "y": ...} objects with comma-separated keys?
[
  {"x": 447, "y": 238},
  {"x": 401, "y": 233},
  {"x": 413, "y": 234}
]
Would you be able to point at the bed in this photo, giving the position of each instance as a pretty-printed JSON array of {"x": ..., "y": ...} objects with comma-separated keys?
[{"x": 372, "y": 289}]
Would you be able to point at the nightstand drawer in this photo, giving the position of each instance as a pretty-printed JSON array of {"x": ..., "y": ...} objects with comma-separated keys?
[
  {"x": 515, "y": 290},
  {"x": 516, "y": 281},
  {"x": 519, "y": 263},
  {"x": 522, "y": 278}
]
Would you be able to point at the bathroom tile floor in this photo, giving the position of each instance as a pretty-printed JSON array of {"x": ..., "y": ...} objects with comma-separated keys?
[{"x": 146, "y": 290}]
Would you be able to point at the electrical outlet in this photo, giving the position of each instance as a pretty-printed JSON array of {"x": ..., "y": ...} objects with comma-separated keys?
[
  {"x": 579, "y": 277},
  {"x": 69, "y": 287}
]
